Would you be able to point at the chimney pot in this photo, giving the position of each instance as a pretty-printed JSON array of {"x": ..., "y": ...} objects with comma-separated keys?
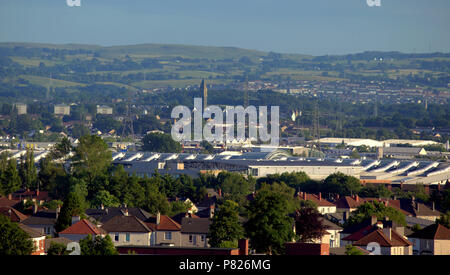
[
  {"x": 158, "y": 218},
  {"x": 10, "y": 196}
]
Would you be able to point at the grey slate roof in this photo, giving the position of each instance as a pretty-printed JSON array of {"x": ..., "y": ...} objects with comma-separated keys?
[
  {"x": 45, "y": 217},
  {"x": 192, "y": 225}
]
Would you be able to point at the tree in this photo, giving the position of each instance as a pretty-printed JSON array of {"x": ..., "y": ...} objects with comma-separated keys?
[
  {"x": 72, "y": 206},
  {"x": 375, "y": 208},
  {"x": 10, "y": 179},
  {"x": 92, "y": 158},
  {"x": 339, "y": 183},
  {"x": 235, "y": 186},
  {"x": 57, "y": 249},
  {"x": 61, "y": 149},
  {"x": 444, "y": 219},
  {"x": 352, "y": 250},
  {"x": 13, "y": 240},
  {"x": 269, "y": 227},
  {"x": 27, "y": 171},
  {"x": 308, "y": 224},
  {"x": 207, "y": 147},
  {"x": 155, "y": 201},
  {"x": 226, "y": 230},
  {"x": 103, "y": 197},
  {"x": 375, "y": 191},
  {"x": 158, "y": 142},
  {"x": 99, "y": 245}
]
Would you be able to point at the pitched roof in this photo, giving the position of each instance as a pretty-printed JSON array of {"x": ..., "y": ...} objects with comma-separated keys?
[
  {"x": 126, "y": 224},
  {"x": 433, "y": 232},
  {"x": 41, "y": 217},
  {"x": 62, "y": 240},
  {"x": 191, "y": 225},
  {"x": 348, "y": 202},
  {"x": 330, "y": 225},
  {"x": 30, "y": 231},
  {"x": 165, "y": 224},
  {"x": 315, "y": 198},
  {"x": 13, "y": 214},
  {"x": 83, "y": 227},
  {"x": 4, "y": 201},
  {"x": 179, "y": 217},
  {"x": 416, "y": 209},
  {"x": 39, "y": 195},
  {"x": 104, "y": 215},
  {"x": 379, "y": 237}
]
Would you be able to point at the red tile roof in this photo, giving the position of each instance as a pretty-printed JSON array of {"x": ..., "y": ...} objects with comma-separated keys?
[
  {"x": 433, "y": 232},
  {"x": 4, "y": 201},
  {"x": 165, "y": 224},
  {"x": 83, "y": 227},
  {"x": 13, "y": 214},
  {"x": 315, "y": 198},
  {"x": 379, "y": 237}
]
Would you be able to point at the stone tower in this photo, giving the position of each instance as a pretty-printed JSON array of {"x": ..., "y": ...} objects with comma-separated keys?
[{"x": 204, "y": 90}]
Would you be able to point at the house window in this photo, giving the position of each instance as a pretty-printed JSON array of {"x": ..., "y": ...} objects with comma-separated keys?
[
  {"x": 127, "y": 237},
  {"x": 116, "y": 237},
  {"x": 255, "y": 172},
  {"x": 203, "y": 238},
  {"x": 168, "y": 235},
  {"x": 190, "y": 238}
]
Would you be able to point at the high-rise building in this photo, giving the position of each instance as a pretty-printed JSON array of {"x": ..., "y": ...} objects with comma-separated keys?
[
  {"x": 61, "y": 109},
  {"x": 21, "y": 108},
  {"x": 204, "y": 90}
]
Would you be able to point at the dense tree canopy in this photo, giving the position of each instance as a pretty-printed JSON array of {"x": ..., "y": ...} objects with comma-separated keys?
[
  {"x": 13, "y": 240},
  {"x": 158, "y": 142}
]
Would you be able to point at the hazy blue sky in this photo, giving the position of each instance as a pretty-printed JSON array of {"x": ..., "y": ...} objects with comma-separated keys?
[{"x": 290, "y": 26}]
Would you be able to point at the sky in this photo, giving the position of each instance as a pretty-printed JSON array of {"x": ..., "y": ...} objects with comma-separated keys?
[{"x": 315, "y": 27}]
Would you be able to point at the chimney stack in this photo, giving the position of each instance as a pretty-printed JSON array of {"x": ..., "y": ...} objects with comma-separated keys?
[
  {"x": 434, "y": 207},
  {"x": 337, "y": 196},
  {"x": 158, "y": 218},
  {"x": 35, "y": 208},
  {"x": 58, "y": 210},
  {"x": 75, "y": 219},
  {"x": 211, "y": 211},
  {"x": 320, "y": 196},
  {"x": 243, "y": 246},
  {"x": 37, "y": 192},
  {"x": 356, "y": 198},
  {"x": 102, "y": 207},
  {"x": 220, "y": 192},
  {"x": 304, "y": 196},
  {"x": 373, "y": 220},
  {"x": 10, "y": 197},
  {"x": 125, "y": 212}
]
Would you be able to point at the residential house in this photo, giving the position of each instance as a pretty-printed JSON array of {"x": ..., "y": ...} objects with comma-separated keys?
[
  {"x": 432, "y": 240},
  {"x": 166, "y": 230},
  {"x": 80, "y": 230},
  {"x": 43, "y": 221},
  {"x": 334, "y": 231},
  {"x": 389, "y": 241},
  {"x": 37, "y": 238},
  {"x": 323, "y": 206},
  {"x": 178, "y": 217},
  {"x": 60, "y": 240},
  {"x": 419, "y": 210},
  {"x": 104, "y": 214},
  {"x": 39, "y": 197},
  {"x": 194, "y": 232},
  {"x": 129, "y": 230},
  {"x": 387, "y": 234},
  {"x": 13, "y": 214}
]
